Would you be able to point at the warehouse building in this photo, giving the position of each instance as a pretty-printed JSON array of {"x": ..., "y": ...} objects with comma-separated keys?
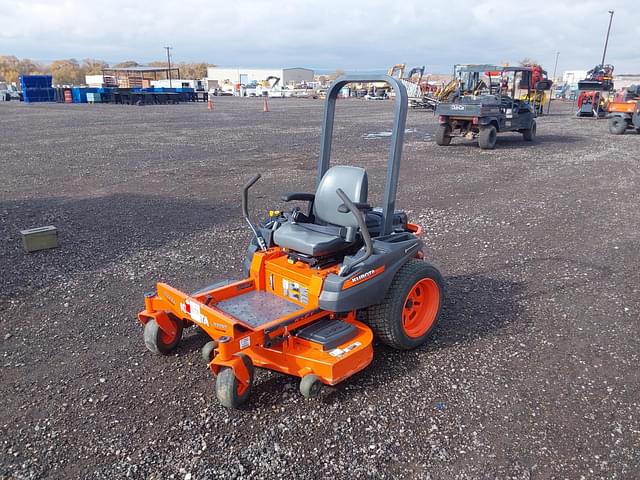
[{"x": 248, "y": 76}]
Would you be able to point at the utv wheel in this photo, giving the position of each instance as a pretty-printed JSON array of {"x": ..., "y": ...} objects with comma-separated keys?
[
  {"x": 530, "y": 133},
  {"x": 443, "y": 135},
  {"x": 310, "y": 386},
  {"x": 410, "y": 309},
  {"x": 158, "y": 341},
  {"x": 617, "y": 125},
  {"x": 487, "y": 138},
  {"x": 230, "y": 392},
  {"x": 208, "y": 351}
]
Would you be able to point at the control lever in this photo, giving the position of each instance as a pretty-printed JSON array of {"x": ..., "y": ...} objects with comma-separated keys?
[
  {"x": 364, "y": 231},
  {"x": 245, "y": 211}
]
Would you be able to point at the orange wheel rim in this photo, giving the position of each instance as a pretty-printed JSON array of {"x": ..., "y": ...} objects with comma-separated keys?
[
  {"x": 166, "y": 338},
  {"x": 420, "y": 308},
  {"x": 241, "y": 387}
]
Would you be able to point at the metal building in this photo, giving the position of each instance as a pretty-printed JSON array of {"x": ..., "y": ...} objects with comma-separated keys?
[{"x": 247, "y": 76}]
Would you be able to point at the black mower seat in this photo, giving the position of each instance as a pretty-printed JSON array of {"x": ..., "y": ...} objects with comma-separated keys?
[
  {"x": 300, "y": 239},
  {"x": 328, "y": 235}
]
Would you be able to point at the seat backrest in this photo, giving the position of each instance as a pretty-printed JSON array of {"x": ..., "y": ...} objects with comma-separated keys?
[{"x": 353, "y": 181}]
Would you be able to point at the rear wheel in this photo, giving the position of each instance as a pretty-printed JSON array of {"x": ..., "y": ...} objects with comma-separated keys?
[
  {"x": 530, "y": 133},
  {"x": 158, "y": 341},
  {"x": 230, "y": 392},
  {"x": 487, "y": 137},
  {"x": 410, "y": 309},
  {"x": 617, "y": 125},
  {"x": 443, "y": 135}
]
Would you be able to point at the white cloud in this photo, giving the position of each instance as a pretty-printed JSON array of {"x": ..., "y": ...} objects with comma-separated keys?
[{"x": 325, "y": 33}]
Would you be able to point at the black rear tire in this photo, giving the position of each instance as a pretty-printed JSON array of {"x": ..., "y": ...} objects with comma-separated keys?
[
  {"x": 227, "y": 385},
  {"x": 530, "y": 133},
  {"x": 487, "y": 137},
  {"x": 617, "y": 125},
  {"x": 443, "y": 135},
  {"x": 386, "y": 318}
]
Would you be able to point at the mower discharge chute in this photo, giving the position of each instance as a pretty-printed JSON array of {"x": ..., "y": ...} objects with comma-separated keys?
[{"x": 319, "y": 284}]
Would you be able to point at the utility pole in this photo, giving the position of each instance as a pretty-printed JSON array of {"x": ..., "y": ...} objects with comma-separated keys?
[
  {"x": 606, "y": 41},
  {"x": 553, "y": 78},
  {"x": 168, "y": 49}
]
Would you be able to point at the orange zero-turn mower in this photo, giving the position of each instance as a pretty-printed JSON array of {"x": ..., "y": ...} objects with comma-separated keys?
[{"x": 318, "y": 284}]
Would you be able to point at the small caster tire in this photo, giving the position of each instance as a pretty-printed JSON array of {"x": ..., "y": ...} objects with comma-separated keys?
[
  {"x": 208, "y": 351},
  {"x": 158, "y": 341},
  {"x": 230, "y": 392},
  {"x": 310, "y": 386}
]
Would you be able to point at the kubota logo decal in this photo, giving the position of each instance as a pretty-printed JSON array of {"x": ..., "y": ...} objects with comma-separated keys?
[{"x": 363, "y": 277}]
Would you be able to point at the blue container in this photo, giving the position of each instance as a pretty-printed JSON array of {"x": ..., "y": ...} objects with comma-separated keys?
[
  {"x": 38, "y": 95},
  {"x": 184, "y": 90},
  {"x": 35, "y": 81},
  {"x": 79, "y": 94}
]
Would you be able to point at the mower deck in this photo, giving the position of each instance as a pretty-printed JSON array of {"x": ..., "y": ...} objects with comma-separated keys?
[{"x": 264, "y": 317}]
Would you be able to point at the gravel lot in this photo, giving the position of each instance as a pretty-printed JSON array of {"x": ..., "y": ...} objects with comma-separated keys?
[{"x": 533, "y": 372}]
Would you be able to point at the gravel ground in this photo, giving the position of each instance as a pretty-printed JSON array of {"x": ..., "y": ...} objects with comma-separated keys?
[{"x": 531, "y": 374}]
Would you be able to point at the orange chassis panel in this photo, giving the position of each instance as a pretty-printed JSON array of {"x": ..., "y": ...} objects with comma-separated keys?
[{"x": 269, "y": 345}]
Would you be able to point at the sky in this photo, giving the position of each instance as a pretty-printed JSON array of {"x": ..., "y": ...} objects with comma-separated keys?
[{"x": 326, "y": 34}]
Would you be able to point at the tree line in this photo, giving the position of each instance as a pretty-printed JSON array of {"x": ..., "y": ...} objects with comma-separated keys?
[{"x": 72, "y": 72}]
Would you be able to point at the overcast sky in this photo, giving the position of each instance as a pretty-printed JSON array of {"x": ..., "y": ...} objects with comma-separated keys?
[{"x": 326, "y": 34}]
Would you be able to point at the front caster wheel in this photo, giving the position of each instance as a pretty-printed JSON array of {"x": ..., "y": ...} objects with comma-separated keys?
[
  {"x": 208, "y": 351},
  {"x": 230, "y": 392},
  {"x": 158, "y": 341},
  {"x": 310, "y": 386}
]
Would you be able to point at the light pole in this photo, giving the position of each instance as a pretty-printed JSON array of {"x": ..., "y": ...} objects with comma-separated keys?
[
  {"x": 606, "y": 41},
  {"x": 553, "y": 78},
  {"x": 168, "y": 49}
]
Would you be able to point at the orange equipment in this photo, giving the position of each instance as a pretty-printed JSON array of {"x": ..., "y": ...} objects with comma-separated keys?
[
  {"x": 624, "y": 112},
  {"x": 312, "y": 281}
]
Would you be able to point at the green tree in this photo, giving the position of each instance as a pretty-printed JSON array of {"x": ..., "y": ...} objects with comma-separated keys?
[
  {"x": 92, "y": 66},
  {"x": 127, "y": 64},
  {"x": 194, "y": 71},
  {"x": 338, "y": 73},
  {"x": 189, "y": 71},
  {"x": 12, "y": 67},
  {"x": 67, "y": 72}
]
